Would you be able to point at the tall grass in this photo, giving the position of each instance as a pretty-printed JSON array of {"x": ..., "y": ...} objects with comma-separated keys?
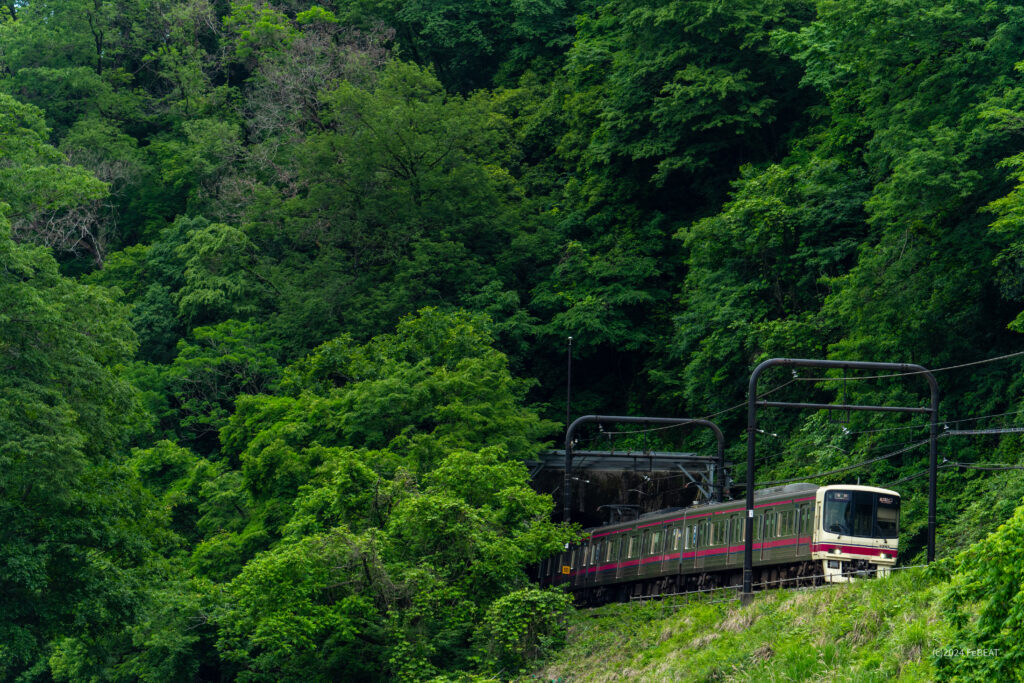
[{"x": 876, "y": 630}]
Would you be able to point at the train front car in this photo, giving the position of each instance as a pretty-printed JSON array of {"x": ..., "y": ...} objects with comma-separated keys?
[{"x": 856, "y": 531}]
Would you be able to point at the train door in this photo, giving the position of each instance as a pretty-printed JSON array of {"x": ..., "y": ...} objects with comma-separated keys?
[
  {"x": 700, "y": 544},
  {"x": 577, "y": 563},
  {"x": 803, "y": 532},
  {"x": 767, "y": 534},
  {"x": 686, "y": 553},
  {"x": 670, "y": 554},
  {"x": 620, "y": 555},
  {"x": 734, "y": 554},
  {"x": 630, "y": 558},
  {"x": 643, "y": 569}
]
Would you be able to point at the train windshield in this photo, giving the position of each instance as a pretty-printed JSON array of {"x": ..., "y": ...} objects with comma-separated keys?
[{"x": 862, "y": 513}]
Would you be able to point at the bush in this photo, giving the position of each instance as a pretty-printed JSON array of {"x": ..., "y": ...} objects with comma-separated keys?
[{"x": 523, "y": 626}]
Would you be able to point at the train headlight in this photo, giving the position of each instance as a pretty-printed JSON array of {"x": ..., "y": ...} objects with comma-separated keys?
[
  {"x": 884, "y": 556},
  {"x": 835, "y": 551}
]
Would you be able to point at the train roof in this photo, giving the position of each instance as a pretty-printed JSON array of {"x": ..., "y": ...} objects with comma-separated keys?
[
  {"x": 768, "y": 494},
  {"x": 857, "y": 487}
]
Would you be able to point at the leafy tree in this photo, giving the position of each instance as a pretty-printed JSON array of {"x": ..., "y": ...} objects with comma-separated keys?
[
  {"x": 50, "y": 202},
  {"x": 211, "y": 370},
  {"x": 984, "y": 604},
  {"x": 73, "y": 520}
]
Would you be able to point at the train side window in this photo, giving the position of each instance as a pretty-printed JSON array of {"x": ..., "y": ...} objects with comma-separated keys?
[
  {"x": 655, "y": 542},
  {"x": 702, "y": 535},
  {"x": 808, "y": 518},
  {"x": 644, "y": 541},
  {"x": 676, "y": 535},
  {"x": 629, "y": 550}
]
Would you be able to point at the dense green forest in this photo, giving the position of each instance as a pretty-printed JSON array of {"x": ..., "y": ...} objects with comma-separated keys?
[{"x": 285, "y": 293}]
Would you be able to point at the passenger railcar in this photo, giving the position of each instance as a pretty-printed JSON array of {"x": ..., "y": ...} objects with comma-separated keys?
[{"x": 802, "y": 532}]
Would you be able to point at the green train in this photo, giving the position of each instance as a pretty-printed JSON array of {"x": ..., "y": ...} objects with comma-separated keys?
[{"x": 803, "y": 534}]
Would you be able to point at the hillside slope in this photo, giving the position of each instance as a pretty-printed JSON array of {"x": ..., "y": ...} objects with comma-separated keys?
[{"x": 873, "y": 630}]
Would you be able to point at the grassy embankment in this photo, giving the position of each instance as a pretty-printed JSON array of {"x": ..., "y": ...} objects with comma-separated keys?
[{"x": 877, "y": 630}]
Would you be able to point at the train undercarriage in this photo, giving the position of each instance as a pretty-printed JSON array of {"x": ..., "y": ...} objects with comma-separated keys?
[{"x": 795, "y": 575}]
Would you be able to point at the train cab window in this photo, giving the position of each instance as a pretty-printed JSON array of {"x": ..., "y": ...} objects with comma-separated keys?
[
  {"x": 861, "y": 513},
  {"x": 887, "y": 517}
]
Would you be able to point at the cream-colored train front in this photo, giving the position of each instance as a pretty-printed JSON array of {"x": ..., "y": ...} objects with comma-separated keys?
[{"x": 856, "y": 531}]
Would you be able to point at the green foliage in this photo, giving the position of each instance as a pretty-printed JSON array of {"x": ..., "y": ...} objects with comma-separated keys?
[
  {"x": 298, "y": 613},
  {"x": 72, "y": 521},
  {"x": 984, "y": 605},
  {"x": 868, "y": 630},
  {"x": 274, "y": 486},
  {"x": 524, "y": 625},
  {"x": 213, "y": 368}
]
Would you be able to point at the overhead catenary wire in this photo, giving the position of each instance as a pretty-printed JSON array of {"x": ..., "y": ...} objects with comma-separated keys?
[
  {"x": 946, "y": 464},
  {"x": 706, "y": 417},
  {"x": 993, "y": 467},
  {"x": 836, "y": 379},
  {"x": 838, "y": 470},
  {"x": 914, "y": 372},
  {"x": 925, "y": 425}
]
